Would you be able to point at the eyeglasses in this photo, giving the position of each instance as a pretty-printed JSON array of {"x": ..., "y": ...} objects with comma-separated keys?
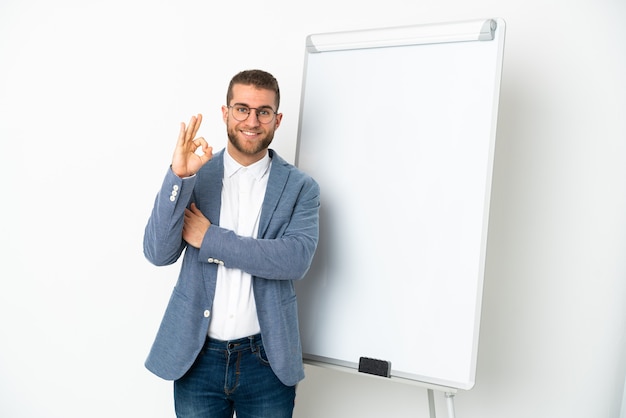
[{"x": 263, "y": 114}]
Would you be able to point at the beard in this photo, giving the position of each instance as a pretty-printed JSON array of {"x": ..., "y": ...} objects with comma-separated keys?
[{"x": 247, "y": 148}]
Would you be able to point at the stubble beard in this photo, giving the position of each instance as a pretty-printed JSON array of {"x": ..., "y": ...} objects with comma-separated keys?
[{"x": 257, "y": 147}]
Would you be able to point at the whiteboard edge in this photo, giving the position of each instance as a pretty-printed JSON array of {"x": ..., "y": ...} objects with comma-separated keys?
[{"x": 501, "y": 27}]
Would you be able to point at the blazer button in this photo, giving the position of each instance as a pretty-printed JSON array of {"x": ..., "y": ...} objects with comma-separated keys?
[{"x": 207, "y": 313}]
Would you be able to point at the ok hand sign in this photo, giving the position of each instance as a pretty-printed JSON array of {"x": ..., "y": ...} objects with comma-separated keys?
[{"x": 186, "y": 162}]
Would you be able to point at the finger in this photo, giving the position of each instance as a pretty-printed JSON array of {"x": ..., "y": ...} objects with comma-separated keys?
[
  {"x": 194, "y": 125},
  {"x": 181, "y": 133},
  {"x": 207, "y": 154},
  {"x": 200, "y": 142},
  {"x": 189, "y": 132},
  {"x": 197, "y": 125}
]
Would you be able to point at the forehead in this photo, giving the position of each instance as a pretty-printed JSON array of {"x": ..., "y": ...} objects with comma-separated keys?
[{"x": 253, "y": 96}]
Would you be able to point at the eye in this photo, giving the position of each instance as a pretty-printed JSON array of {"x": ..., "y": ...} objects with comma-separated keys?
[
  {"x": 242, "y": 109},
  {"x": 264, "y": 112}
]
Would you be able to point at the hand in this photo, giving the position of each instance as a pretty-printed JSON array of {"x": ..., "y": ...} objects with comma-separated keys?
[
  {"x": 186, "y": 162},
  {"x": 195, "y": 226}
]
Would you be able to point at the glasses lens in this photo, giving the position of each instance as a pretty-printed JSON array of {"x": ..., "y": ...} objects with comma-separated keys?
[
  {"x": 265, "y": 115},
  {"x": 240, "y": 112}
]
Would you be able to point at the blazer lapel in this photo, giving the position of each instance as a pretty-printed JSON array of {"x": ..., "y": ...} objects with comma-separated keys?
[{"x": 275, "y": 185}]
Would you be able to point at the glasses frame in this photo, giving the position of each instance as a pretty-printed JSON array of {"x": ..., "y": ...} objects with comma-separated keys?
[{"x": 256, "y": 110}]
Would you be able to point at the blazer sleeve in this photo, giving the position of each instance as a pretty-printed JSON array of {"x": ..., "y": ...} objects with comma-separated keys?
[
  {"x": 286, "y": 248},
  {"x": 163, "y": 242}
]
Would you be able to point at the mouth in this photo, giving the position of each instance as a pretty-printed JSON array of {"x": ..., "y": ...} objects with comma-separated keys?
[{"x": 250, "y": 134}]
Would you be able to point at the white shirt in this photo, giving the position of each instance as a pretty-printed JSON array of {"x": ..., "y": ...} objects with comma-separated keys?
[{"x": 243, "y": 190}]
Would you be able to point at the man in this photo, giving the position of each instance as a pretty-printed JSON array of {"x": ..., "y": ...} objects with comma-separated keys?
[{"x": 247, "y": 222}]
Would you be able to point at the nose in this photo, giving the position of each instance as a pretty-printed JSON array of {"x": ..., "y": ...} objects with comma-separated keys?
[{"x": 253, "y": 118}]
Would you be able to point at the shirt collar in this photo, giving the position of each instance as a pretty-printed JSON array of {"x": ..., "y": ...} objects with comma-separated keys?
[{"x": 258, "y": 169}]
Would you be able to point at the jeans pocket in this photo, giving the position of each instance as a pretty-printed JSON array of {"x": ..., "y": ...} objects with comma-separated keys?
[{"x": 261, "y": 355}]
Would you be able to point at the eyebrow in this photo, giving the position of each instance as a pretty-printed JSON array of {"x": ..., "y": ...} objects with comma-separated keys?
[{"x": 260, "y": 107}]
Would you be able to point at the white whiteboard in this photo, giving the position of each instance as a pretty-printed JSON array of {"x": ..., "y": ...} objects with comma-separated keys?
[{"x": 401, "y": 139}]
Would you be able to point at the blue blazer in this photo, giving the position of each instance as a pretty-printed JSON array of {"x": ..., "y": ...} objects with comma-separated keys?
[{"x": 287, "y": 239}]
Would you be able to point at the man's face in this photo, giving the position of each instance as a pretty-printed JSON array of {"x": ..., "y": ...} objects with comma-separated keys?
[{"x": 249, "y": 139}]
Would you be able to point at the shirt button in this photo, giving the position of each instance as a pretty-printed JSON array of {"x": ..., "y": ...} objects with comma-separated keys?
[
  {"x": 172, "y": 198},
  {"x": 175, "y": 187},
  {"x": 211, "y": 260},
  {"x": 207, "y": 313}
]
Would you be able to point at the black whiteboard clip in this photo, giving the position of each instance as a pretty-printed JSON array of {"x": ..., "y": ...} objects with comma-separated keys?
[{"x": 375, "y": 366}]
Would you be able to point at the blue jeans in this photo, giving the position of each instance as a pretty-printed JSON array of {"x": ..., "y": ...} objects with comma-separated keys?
[{"x": 233, "y": 376}]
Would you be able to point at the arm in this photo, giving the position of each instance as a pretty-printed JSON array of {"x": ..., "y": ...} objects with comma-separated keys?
[
  {"x": 287, "y": 247},
  {"x": 163, "y": 242}
]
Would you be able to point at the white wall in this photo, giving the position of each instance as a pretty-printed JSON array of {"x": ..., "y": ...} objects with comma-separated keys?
[{"x": 91, "y": 94}]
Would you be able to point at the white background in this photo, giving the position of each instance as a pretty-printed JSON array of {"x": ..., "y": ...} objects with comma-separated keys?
[{"x": 91, "y": 95}]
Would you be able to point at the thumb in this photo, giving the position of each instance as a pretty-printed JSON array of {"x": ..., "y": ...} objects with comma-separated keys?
[{"x": 195, "y": 209}]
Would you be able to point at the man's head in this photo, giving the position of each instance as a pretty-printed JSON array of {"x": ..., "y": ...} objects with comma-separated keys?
[
  {"x": 251, "y": 115},
  {"x": 257, "y": 78}
]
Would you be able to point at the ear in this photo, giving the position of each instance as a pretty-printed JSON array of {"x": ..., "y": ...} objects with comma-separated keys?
[
  {"x": 279, "y": 118},
  {"x": 225, "y": 114}
]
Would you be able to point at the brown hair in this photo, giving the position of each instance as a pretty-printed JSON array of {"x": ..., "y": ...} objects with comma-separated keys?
[{"x": 257, "y": 78}]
